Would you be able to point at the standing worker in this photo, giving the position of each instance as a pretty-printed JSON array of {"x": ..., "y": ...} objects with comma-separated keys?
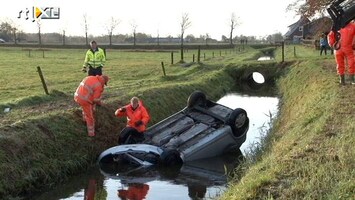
[
  {"x": 94, "y": 59},
  {"x": 87, "y": 95},
  {"x": 137, "y": 120},
  {"x": 323, "y": 44},
  {"x": 344, "y": 50}
]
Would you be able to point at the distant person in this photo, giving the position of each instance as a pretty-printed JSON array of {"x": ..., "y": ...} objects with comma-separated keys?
[
  {"x": 87, "y": 95},
  {"x": 323, "y": 43},
  {"x": 137, "y": 120},
  {"x": 344, "y": 50},
  {"x": 94, "y": 60}
]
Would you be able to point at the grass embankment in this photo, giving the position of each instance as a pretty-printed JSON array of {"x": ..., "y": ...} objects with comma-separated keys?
[
  {"x": 43, "y": 140},
  {"x": 310, "y": 152}
]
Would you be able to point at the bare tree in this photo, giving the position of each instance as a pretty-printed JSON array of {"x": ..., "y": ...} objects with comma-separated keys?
[
  {"x": 134, "y": 30},
  {"x": 185, "y": 24},
  {"x": 14, "y": 31},
  {"x": 63, "y": 37},
  {"x": 86, "y": 28},
  {"x": 39, "y": 25},
  {"x": 8, "y": 30},
  {"x": 158, "y": 42},
  {"x": 233, "y": 25},
  {"x": 111, "y": 26},
  {"x": 207, "y": 37},
  {"x": 309, "y": 8}
]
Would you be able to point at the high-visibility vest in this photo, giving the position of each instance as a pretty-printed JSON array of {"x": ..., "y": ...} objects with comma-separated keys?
[
  {"x": 90, "y": 89},
  {"x": 95, "y": 58}
]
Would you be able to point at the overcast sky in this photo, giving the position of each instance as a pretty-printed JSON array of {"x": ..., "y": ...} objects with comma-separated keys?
[{"x": 256, "y": 17}]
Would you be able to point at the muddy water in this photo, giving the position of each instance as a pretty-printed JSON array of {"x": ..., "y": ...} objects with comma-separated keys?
[{"x": 205, "y": 179}]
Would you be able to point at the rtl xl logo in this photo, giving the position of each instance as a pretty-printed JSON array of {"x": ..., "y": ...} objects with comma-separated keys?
[{"x": 40, "y": 13}]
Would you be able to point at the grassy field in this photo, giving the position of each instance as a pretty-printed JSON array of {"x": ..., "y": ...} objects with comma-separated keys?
[
  {"x": 43, "y": 141},
  {"x": 310, "y": 153},
  {"x": 129, "y": 71}
]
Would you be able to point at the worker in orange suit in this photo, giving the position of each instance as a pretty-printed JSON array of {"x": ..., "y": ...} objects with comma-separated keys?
[
  {"x": 136, "y": 191},
  {"x": 344, "y": 50},
  {"x": 87, "y": 95},
  {"x": 137, "y": 120}
]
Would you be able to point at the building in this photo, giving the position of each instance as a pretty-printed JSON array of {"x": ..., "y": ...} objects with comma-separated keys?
[
  {"x": 296, "y": 31},
  {"x": 315, "y": 28}
]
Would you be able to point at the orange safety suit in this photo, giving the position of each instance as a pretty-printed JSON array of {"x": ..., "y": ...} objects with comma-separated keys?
[
  {"x": 133, "y": 116},
  {"x": 346, "y": 48},
  {"x": 136, "y": 191},
  {"x": 87, "y": 95}
]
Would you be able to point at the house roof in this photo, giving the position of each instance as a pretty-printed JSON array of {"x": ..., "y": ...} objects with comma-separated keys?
[
  {"x": 317, "y": 26},
  {"x": 293, "y": 27}
]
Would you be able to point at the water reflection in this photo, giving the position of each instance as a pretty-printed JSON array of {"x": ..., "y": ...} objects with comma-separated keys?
[
  {"x": 260, "y": 111},
  {"x": 264, "y": 58},
  {"x": 135, "y": 191},
  {"x": 202, "y": 179},
  {"x": 205, "y": 178}
]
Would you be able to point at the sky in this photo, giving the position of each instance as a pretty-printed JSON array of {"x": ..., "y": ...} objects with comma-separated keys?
[{"x": 256, "y": 17}]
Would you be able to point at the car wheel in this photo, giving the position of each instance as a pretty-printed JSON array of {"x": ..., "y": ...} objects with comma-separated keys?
[
  {"x": 238, "y": 121},
  {"x": 170, "y": 157},
  {"x": 196, "y": 98}
]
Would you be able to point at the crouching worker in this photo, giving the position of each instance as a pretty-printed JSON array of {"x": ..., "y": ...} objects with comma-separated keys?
[
  {"x": 137, "y": 120},
  {"x": 88, "y": 95}
]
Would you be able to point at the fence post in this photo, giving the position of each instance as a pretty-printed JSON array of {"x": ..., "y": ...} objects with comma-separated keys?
[
  {"x": 204, "y": 56},
  {"x": 29, "y": 53},
  {"x": 43, "y": 53},
  {"x": 193, "y": 57},
  {"x": 162, "y": 66},
  {"x": 294, "y": 51},
  {"x": 220, "y": 53},
  {"x": 198, "y": 54},
  {"x": 172, "y": 57},
  {"x": 212, "y": 54},
  {"x": 283, "y": 51},
  {"x": 42, "y": 79},
  {"x": 104, "y": 49}
]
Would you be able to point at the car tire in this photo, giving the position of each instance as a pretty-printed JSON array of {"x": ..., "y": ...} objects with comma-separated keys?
[
  {"x": 238, "y": 121},
  {"x": 197, "y": 98},
  {"x": 170, "y": 157}
]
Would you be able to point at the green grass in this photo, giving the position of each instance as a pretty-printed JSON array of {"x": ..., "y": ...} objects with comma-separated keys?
[
  {"x": 62, "y": 70},
  {"x": 309, "y": 154}
]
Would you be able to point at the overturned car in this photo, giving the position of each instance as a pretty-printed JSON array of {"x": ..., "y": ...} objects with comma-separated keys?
[{"x": 202, "y": 129}]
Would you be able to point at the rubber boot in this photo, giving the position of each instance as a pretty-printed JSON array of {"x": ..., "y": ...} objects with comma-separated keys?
[
  {"x": 342, "y": 80},
  {"x": 352, "y": 79}
]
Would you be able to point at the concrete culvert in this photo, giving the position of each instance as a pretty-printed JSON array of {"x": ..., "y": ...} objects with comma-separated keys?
[{"x": 255, "y": 80}]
